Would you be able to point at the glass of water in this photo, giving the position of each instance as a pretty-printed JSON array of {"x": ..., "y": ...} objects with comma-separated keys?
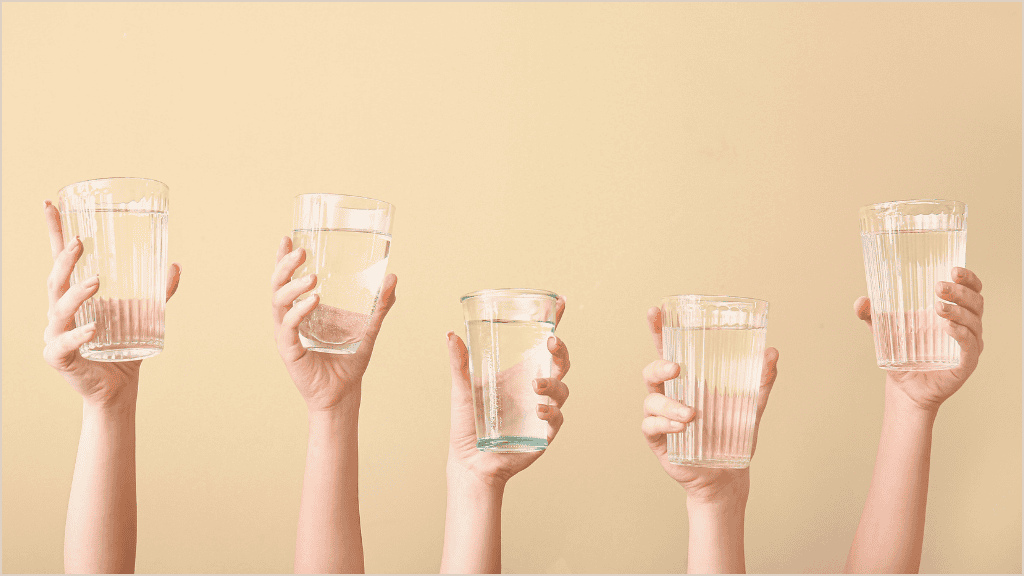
[
  {"x": 507, "y": 334},
  {"x": 908, "y": 247},
  {"x": 347, "y": 241},
  {"x": 122, "y": 223},
  {"x": 718, "y": 342}
]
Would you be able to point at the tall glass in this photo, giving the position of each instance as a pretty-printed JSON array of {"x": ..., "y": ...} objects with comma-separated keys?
[
  {"x": 122, "y": 223},
  {"x": 908, "y": 247},
  {"x": 347, "y": 241},
  {"x": 507, "y": 333},
  {"x": 718, "y": 342}
]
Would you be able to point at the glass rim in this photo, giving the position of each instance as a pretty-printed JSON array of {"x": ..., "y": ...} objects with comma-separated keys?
[
  {"x": 709, "y": 298},
  {"x": 297, "y": 196},
  {"x": 110, "y": 178},
  {"x": 895, "y": 204},
  {"x": 512, "y": 292}
]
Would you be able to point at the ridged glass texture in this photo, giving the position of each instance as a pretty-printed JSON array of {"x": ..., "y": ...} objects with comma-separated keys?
[
  {"x": 507, "y": 333},
  {"x": 908, "y": 247},
  {"x": 348, "y": 243},
  {"x": 718, "y": 342},
  {"x": 122, "y": 223}
]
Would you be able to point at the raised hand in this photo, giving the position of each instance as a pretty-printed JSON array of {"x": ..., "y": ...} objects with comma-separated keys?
[
  {"x": 324, "y": 380},
  {"x": 488, "y": 466},
  {"x": 928, "y": 390},
  {"x": 662, "y": 416},
  {"x": 97, "y": 382}
]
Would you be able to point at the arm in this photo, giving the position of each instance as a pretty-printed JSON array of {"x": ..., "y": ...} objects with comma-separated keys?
[
  {"x": 328, "y": 537},
  {"x": 476, "y": 479},
  {"x": 716, "y": 498},
  {"x": 890, "y": 535},
  {"x": 100, "y": 533}
]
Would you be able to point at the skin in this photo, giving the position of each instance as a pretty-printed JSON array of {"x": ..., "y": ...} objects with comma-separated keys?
[
  {"x": 100, "y": 534},
  {"x": 891, "y": 531},
  {"x": 476, "y": 479},
  {"x": 716, "y": 498},
  {"x": 328, "y": 539}
]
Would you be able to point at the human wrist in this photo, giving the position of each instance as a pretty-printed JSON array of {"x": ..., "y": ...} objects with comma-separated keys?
[
  {"x": 727, "y": 501},
  {"x": 900, "y": 405},
  {"x": 341, "y": 416},
  {"x": 121, "y": 405},
  {"x": 463, "y": 480}
]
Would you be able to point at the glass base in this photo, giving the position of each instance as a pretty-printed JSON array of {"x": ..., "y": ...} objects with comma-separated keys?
[
  {"x": 511, "y": 444},
  {"x": 733, "y": 463},
  {"x": 121, "y": 354},
  {"x": 918, "y": 366},
  {"x": 317, "y": 346}
]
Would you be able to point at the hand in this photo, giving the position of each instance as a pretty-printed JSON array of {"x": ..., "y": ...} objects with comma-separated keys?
[
  {"x": 326, "y": 381},
  {"x": 489, "y": 467},
  {"x": 102, "y": 383},
  {"x": 662, "y": 416},
  {"x": 928, "y": 390}
]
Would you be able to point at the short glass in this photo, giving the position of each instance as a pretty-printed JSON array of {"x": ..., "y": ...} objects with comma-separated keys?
[
  {"x": 908, "y": 247},
  {"x": 718, "y": 342},
  {"x": 122, "y": 223},
  {"x": 507, "y": 333},
  {"x": 347, "y": 241}
]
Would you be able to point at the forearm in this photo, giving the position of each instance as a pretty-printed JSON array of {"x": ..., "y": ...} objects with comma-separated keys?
[
  {"x": 891, "y": 530},
  {"x": 329, "y": 539},
  {"x": 100, "y": 533},
  {"x": 716, "y": 537},
  {"x": 472, "y": 525}
]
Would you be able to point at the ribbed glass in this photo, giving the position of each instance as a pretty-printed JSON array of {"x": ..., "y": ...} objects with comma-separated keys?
[
  {"x": 507, "y": 333},
  {"x": 908, "y": 247},
  {"x": 122, "y": 223},
  {"x": 718, "y": 342},
  {"x": 348, "y": 243}
]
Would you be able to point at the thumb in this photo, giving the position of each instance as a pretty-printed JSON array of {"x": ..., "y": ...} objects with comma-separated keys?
[
  {"x": 458, "y": 357},
  {"x": 862, "y": 307}
]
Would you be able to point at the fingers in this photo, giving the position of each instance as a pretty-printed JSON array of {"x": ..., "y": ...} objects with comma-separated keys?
[
  {"x": 288, "y": 343},
  {"x": 655, "y": 427},
  {"x": 654, "y": 325},
  {"x": 559, "y": 309},
  {"x": 173, "y": 277},
  {"x": 657, "y": 372},
  {"x": 458, "y": 358},
  {"x": 970, "y": 344},
  {"x": 559, "y": 357},
  {"x": 284, "y": 248},
  {"x": 961, "y": 316},
  {"x": 552, "y": 388},
  {"x": 385, "y": 302},
  {"x": 58, "y": 282},
  {"x": 965, "y": 277},
  {"x": 660, "y": 405},
  {"x": 63, "y": 311},
  {"x": 862, "y": 307},
  {"x": 61, "y": 351},
  {"x": 53, "y": 228},
  {"x": 768, "y": 373},
  {"x": 553, "y": 416},
  {"x": 282, "y": 300},
  {"x": 286, "y": 266},
  {"x": 961, "y": 295}
]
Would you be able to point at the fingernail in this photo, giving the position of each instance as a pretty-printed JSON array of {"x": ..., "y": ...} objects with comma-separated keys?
[
  {"x": 90, "y": 327},
  {"x": 92, "y": 281},
  {"x": 311, "y": 277},
  {"x": 296, "y": 252},
  {"x": 944, "y": 288},
  {"x": 541, "y": 385},
  {"x": 677, "y": 425},
  {"x": 543, "y": 408},
  {"x": 681, "y": 412},
  {"x": 942, "y": 306},
  {"x": 448, "y": 336},
  {"x": 959, "y": 273},
  {"x": 46, "y": 204}
]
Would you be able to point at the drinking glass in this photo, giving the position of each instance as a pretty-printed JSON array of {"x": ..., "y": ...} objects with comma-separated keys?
[
  {"x": 908, "y": 247},
  {"x": 507, "y": 333},
  {"x": 347, "y": 241},
  {"x": 718, "y": 342},
  {"x": 122, "y": 223}
]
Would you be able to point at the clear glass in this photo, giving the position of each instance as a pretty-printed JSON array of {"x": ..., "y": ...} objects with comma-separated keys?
[
  {"x": 718, "y": 342},
  {"x": 507, "y": 332},
  {"x": 347, "y": 241},
  {"x": 908, "y": 247},
  {"x": 122, "y": 223}
]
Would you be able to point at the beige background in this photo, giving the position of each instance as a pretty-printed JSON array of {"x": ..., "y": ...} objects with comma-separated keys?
[{"x": 612, "y": 153}]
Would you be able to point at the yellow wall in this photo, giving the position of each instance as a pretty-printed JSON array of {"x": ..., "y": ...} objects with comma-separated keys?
[{"x": 611, "y": 153}]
